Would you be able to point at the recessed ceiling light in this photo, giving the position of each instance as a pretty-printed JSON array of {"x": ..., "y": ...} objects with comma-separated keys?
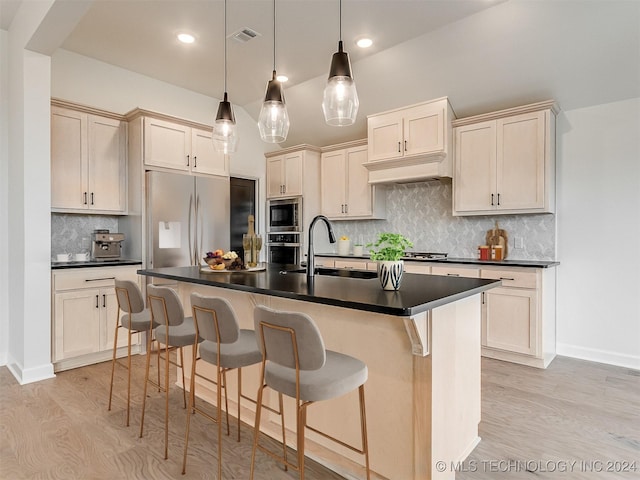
[
  {"x": 364, "y": 42},
  {"x": 282, "y": 78},
  {"x": 186, "y": 38}
]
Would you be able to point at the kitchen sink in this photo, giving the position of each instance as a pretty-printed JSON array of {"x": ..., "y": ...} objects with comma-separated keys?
[{"x": 337, "y": 272}]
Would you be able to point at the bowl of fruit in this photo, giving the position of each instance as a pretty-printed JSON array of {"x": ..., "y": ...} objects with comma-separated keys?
[{"x": 219, "y": 260}]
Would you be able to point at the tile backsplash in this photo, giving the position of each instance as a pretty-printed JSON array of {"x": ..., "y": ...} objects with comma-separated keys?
[
  {"x": 422, "y": 212},
  {"x": 69, "y": 230}
]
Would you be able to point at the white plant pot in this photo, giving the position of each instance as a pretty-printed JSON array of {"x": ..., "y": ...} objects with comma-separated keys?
[
  {"x": 343, "y": 247},
  {"x": 390, "y": 274}
]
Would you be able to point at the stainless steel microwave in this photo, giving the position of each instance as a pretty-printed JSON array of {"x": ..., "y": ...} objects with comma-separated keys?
[{"x": 284, "y": 215}]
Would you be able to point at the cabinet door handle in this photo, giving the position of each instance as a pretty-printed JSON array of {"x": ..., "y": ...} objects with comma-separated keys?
[
  {"x": 195, "y": 162},
  {"x": 85, "y": 198},
  {"x": 405, "y": 145},
  {"x": 187, "y": 160},
  {"x": 104, "y": 300},
  {"x": 284, "y": 189},
  {"x": 346, "y": 208},
  {"x": 91, "y": 198},
  {"x": 97, "y": 302},
  {"x": 483, "y": 297},
  {"x": 399, "y": 147},
  {"x": 492, "y": 199},
  {"x": 498, "y": 199},
  {"x": 98, "y": 279},
  {"x": 453, "y": 274},
  {"x": 507, "y": 278}
]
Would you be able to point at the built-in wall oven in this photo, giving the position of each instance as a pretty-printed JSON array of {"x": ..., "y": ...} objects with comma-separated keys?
[
  {"x": 284, "y": 230},
  {"x": 284, "y": 248},
  {"x": 284, "y": 215}
]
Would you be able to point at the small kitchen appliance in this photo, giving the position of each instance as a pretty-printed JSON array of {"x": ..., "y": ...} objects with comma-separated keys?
[{"x": 105, "y": 245}]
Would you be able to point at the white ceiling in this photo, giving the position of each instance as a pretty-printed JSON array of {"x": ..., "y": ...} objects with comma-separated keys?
[{"x": 482, "y": 54}]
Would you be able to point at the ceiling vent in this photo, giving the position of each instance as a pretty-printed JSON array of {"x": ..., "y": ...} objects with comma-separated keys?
[{"x": 244, "y": 35}]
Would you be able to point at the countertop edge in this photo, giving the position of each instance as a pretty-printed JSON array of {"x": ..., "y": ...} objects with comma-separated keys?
[
  {"x": 93, "y": 264},
  {"x": 463, "y": 261}
]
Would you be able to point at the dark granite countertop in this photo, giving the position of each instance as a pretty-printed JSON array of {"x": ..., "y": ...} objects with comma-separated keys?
[
  {"x": 468, "y": 261},
  {"x": 94, "y": 263},
  {"x": 417, "y": 294}
]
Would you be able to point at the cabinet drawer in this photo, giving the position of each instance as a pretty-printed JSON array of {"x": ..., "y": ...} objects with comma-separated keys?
[
  {"x": 512, "y": 278},
  {"x": 456, "y": 271},
  {"x": 417, "y": 267},
  {"x": 92, "y": 278},
  {"x": 352, "y": 264}
]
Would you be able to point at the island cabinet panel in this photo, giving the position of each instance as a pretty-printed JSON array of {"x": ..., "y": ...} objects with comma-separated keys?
[
  {"x": 88, "y": 162},
  {"x": 435, "y": 398},
  {"x": 85, "y": 310},
  {"x": 345, "y": 189},
  {"x": 505, "y": 162}
]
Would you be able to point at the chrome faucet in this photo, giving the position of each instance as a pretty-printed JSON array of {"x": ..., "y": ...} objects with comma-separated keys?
[{"x": 311, "y": 263}]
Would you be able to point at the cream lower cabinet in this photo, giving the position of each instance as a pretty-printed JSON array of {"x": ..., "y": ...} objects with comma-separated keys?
[
  {"x": 85, "y": 312},
  {"x": 88, "y": 160},
  {"x": 518, "y": 318}
]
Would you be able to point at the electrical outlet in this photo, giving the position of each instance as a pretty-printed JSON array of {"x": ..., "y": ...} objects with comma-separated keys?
[{"x": 518, "y": 242}]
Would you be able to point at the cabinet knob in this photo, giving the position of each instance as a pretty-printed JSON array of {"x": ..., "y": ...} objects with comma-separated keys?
[
  {"x": 91, "y": 198},
  {"x": 399, "y": 147},
  {"x": 187, "y": 160},
  {"x": 405, "y": 145},
  {"x": 492, "y": 199},
  {"x": 97, "y": 302},
  {"x": 195, "y": 162},
  {"x": 498, "y": 199},
  {"x": 85, "y": 198}
]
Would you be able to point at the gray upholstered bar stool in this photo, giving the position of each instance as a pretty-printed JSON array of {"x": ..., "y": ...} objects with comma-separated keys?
[
  {"x": 135, "y": 319},
  {"x": 174, "y": 331},
  {"x": 226, "y": 346},
  {"x": 296, "y": 364}
]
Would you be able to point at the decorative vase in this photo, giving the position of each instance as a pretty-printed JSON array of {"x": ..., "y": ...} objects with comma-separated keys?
[
  {"x": 343, "y": 247},
  {"x": 390, "y": 274}
]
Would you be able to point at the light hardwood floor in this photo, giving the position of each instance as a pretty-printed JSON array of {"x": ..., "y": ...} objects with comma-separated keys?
[{"x": 540, "y": 420}]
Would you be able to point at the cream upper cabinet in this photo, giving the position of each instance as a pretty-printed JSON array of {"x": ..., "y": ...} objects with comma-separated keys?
[
  {"x": 345, "y": 190},
  {"x": 88, "y": 161},
  {"x": 505, "y": 164},
  {"x": 412, "y": 131},
  {"x": 411, "y": 143},
  {"x": 284, "y": 175},
  {"x": 177, "y": 146}
]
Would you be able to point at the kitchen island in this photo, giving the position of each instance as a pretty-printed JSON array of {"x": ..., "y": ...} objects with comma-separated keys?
[{"x": 421, "y": 345}]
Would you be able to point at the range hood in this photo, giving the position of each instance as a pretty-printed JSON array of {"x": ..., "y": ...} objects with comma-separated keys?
[
  {"x": 418, "y": 170},
  {"x": 410, "y": 144}
]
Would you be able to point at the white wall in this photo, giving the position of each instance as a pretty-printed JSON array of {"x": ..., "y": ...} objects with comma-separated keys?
[
  {"x": 85, "y": 80},
  {"x": 4, "y": 195},
  {"x": 599, "y": 233}
]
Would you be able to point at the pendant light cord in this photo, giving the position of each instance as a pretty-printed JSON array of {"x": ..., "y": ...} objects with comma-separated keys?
[
  {"x": 225, "y": 46},
  {"x": 274, "y": 35},
  {"x": 340, "y": 20}
]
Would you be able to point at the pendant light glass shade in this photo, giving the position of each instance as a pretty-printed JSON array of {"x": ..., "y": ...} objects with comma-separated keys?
[
  {"x": 225, "y": 135},
  {"x": 273, "y": 122},
  {"x": 340, "y": 102}
]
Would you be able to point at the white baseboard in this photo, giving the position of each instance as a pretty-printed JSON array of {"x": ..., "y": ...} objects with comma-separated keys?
[
  {"x": 30, "y": 375},
  {"x": 600, "y": 356}
]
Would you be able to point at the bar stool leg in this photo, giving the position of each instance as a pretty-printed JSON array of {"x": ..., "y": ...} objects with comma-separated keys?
[
  {"x": 302, "y": 421},
  {"x": 192, "y": 406},
  {"x": 239, "y": 395},
  {"x": 166, "y": 401},
  {"x": 128, "y": 373},
  {"x": 363, "y": 428},
  {"x": 226, "y": 399},
  {"x": 219, "y": 405},
  {"x": 184, "y": 385},
  {"x": 146, "y": 379},
  {"x": 257, "y": 427},
  {"x": 284, "y": 440},
  {"x": 113, "y": 362}
]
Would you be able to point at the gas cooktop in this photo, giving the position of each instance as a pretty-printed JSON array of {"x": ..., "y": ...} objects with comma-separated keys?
[{"x": 424, "y": 255}]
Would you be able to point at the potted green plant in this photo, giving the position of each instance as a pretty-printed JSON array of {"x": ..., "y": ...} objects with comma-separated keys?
[{"x": 388, "y": 251}]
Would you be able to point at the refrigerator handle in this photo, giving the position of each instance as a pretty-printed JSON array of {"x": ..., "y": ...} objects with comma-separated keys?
[
  {"x": 189, "y": 228},
  {"x": 199, "y": 231}
]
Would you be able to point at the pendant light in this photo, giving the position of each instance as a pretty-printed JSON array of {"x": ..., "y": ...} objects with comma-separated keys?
[
  {"x": 225, "y": 136},
  {"x": 274, "y": 119},
  {"x": 340, "y": 102}
]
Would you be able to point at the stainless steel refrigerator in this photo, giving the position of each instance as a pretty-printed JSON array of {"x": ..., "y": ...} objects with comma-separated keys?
[{"x": 188, "y": 216}]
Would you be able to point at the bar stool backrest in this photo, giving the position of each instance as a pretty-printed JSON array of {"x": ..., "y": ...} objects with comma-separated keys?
[
  {"x": 290, "y": 339},
  {"x": 129, "y": 296},
  {"x": 165, "y": 306},
  {"x": 206, "y": 310}
]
